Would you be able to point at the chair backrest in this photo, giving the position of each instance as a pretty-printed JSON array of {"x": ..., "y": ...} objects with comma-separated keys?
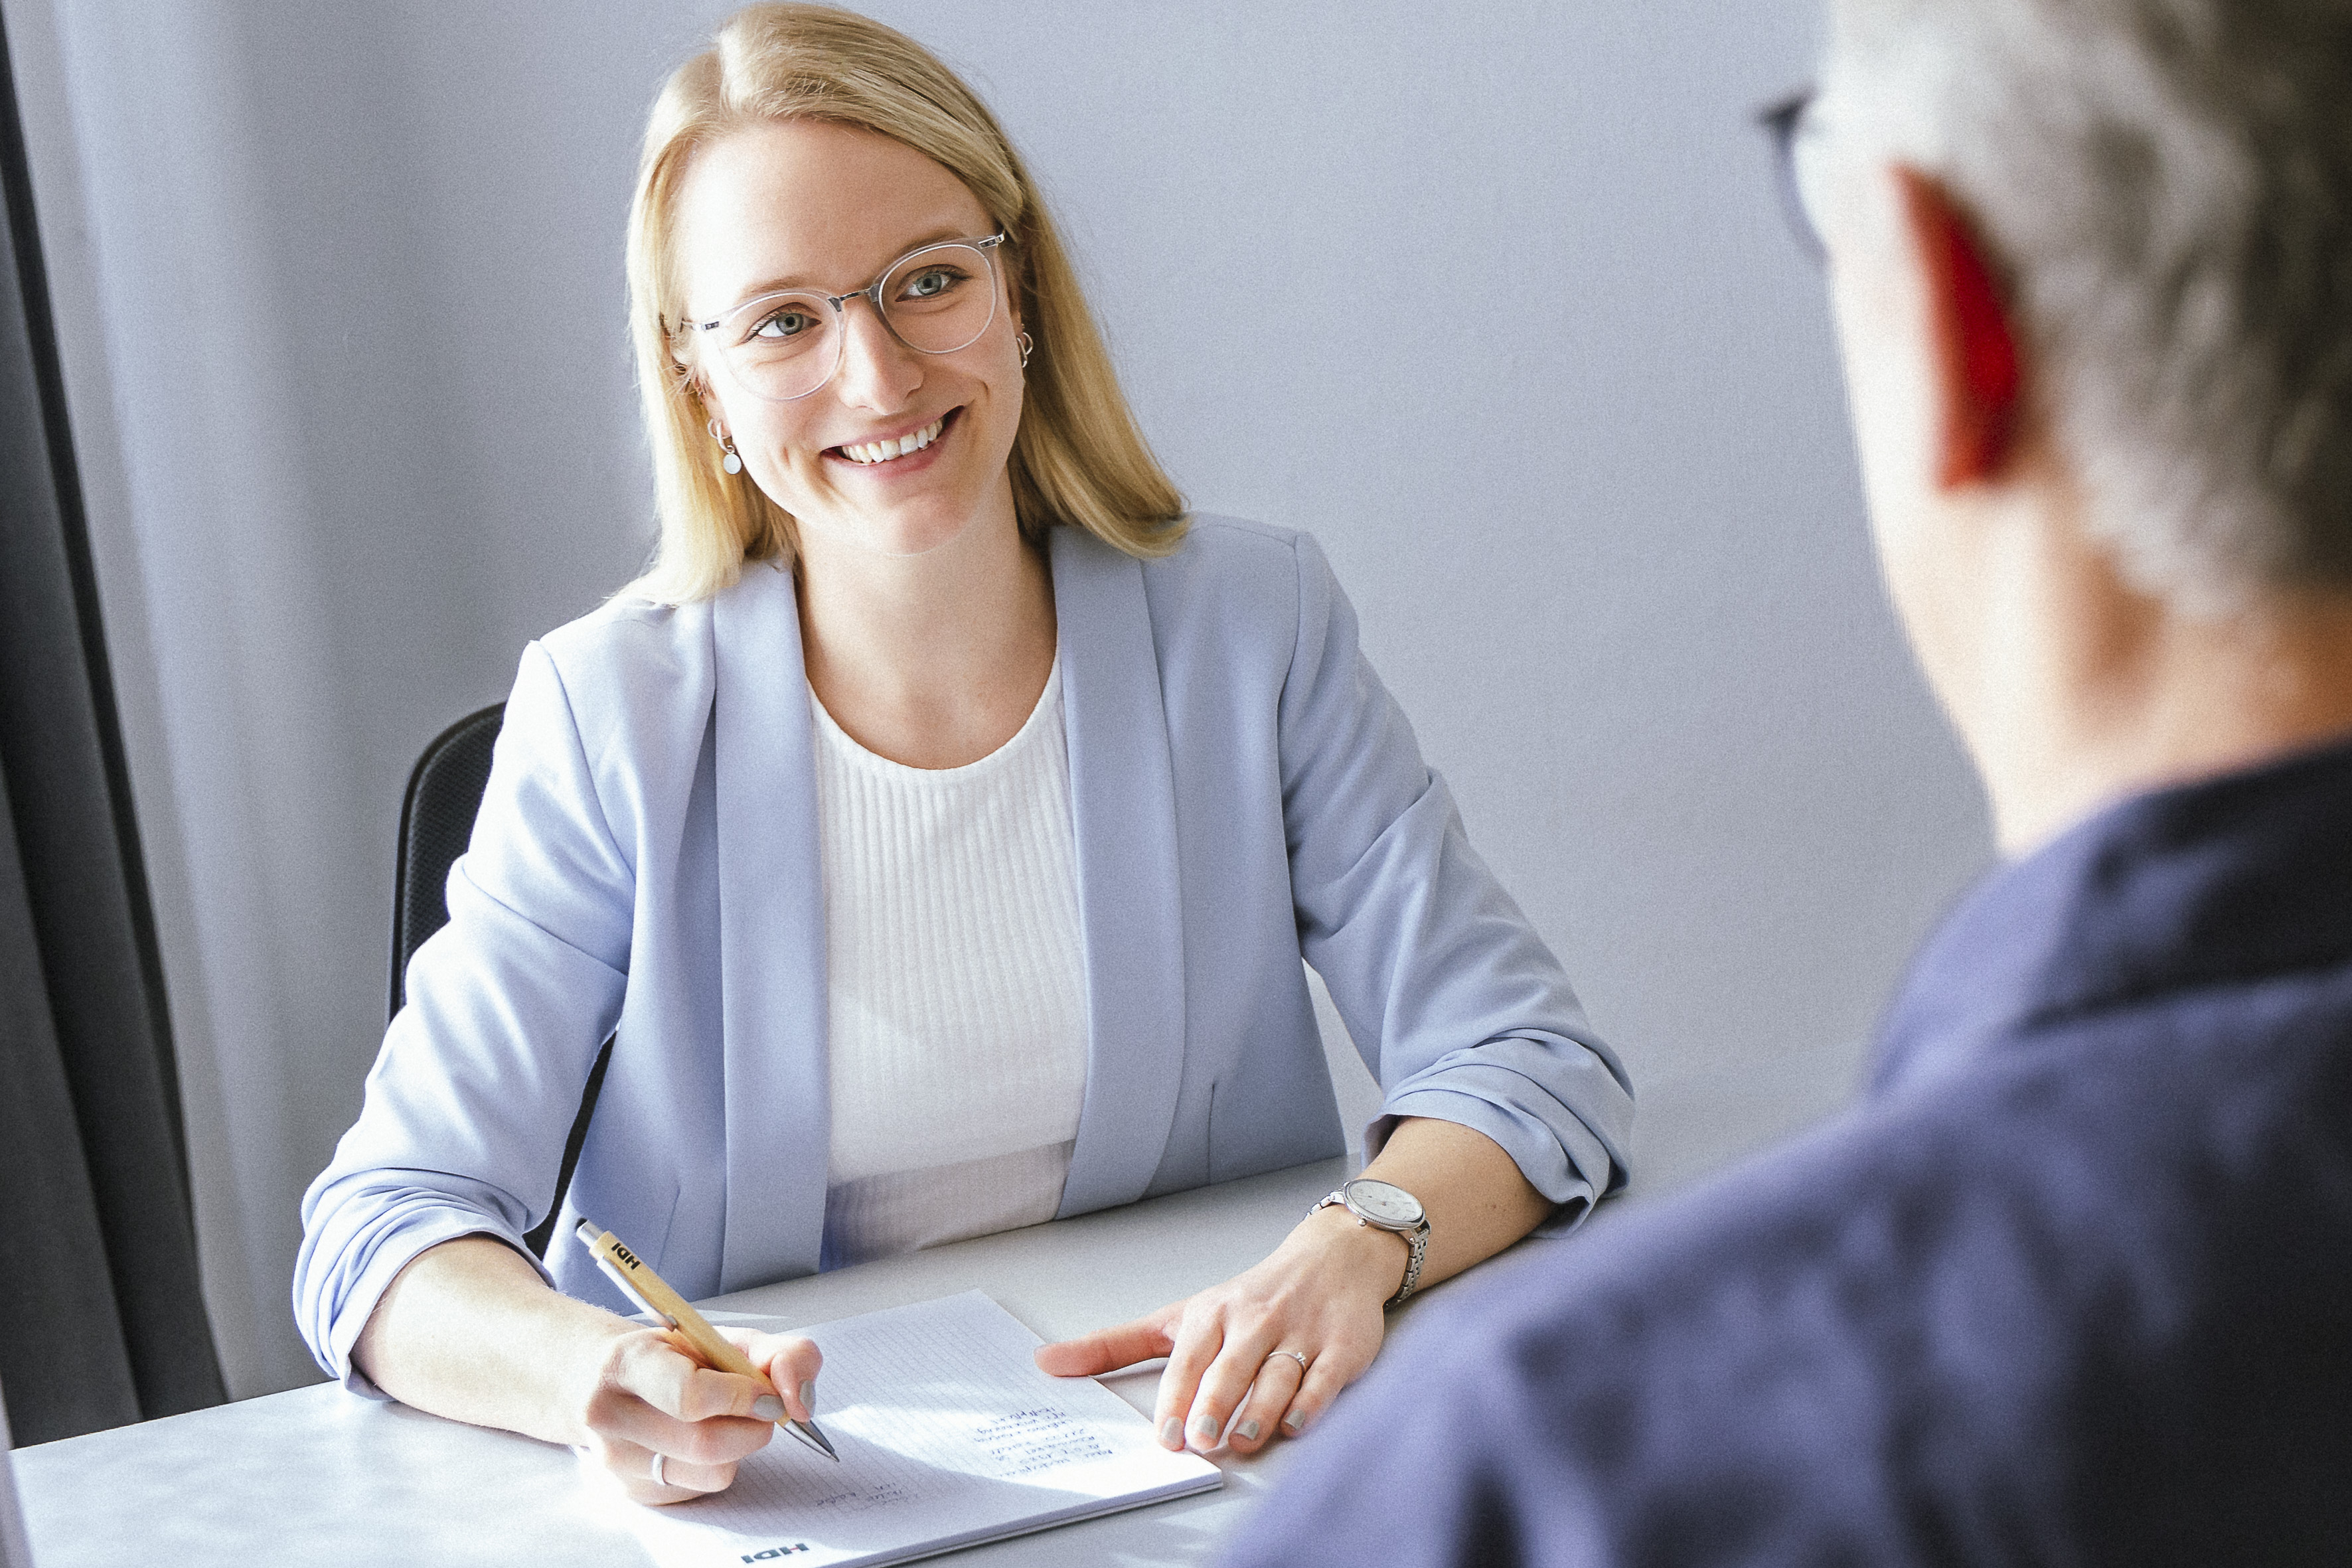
[{"x": 436, "y": 818}]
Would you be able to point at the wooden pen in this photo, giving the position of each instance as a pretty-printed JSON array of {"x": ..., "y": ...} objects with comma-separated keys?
[{"x": 651, "y": 1291}]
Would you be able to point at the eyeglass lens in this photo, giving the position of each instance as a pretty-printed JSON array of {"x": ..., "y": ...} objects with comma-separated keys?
[
  {"x": 1790, "y": 124},
  {"x": 783, "y": 346}
]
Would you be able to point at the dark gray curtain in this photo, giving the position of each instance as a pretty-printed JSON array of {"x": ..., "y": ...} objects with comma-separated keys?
[{"x": 102, "y": 1322}]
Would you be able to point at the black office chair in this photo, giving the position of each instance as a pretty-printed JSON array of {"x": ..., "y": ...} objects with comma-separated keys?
[{"x": 437, "y": 819}]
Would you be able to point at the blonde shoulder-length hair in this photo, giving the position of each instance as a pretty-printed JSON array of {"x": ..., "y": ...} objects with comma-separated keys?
[{"x": 1078, "y": 460}]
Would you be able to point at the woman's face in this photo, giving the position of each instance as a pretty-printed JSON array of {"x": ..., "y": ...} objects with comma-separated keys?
[{"x": 799, "y": 204}]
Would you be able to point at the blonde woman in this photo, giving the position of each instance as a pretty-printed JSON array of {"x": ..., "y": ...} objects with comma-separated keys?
[{"x": 939, "y": 823}]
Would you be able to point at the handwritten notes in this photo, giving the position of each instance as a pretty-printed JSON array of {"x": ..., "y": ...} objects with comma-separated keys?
[
  {"x": 949, "y": 1436},
  {"x": 1039, "y": 1439}
]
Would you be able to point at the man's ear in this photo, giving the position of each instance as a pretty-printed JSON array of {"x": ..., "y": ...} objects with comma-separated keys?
[{"x": 1980, "y": 379}]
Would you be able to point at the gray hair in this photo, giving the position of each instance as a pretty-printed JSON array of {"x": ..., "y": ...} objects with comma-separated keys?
[{"x": 2169, "y": 185}]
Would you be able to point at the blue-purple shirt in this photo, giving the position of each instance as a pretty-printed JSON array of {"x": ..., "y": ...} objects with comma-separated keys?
[{"x": 2072, "y": 1284}]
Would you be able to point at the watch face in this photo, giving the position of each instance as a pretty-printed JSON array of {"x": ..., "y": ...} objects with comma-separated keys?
[{"x": 1384, "y": 1205}]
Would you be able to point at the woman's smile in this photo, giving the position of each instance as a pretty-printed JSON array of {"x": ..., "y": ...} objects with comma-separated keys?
[{"x": 904, "y": 452}]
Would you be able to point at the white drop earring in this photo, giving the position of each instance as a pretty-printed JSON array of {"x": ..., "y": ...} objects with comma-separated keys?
[
  {"x": 732, "y": 462},
  {"x": 1027, "y": 348}
]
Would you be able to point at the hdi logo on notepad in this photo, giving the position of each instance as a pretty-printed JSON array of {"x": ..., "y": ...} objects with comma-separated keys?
[{"x": 777, "y": 1551}]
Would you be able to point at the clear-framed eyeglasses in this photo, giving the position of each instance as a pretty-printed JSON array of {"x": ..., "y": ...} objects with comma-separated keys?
[{"x": 935, "y": 300}]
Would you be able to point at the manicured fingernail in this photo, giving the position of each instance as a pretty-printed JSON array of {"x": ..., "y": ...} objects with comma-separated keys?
[
  {"x": 768, "y": 1407},
  {"x": 1295, "y": 1421},
  {"x": 1171, "y": 1433},
  {"x": 1247, "y": 1431},
  {"x": 808, "y": 1396},
  {"x": 1206, "y": 1428}
]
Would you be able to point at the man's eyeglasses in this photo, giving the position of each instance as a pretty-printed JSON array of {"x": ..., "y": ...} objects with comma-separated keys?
[{"x": 1790, "y": 124}]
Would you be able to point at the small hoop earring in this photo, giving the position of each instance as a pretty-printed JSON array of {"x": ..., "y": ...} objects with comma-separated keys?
[
  {"x": 1027, "y": 348},
  {"x": 732, "y": 462}
]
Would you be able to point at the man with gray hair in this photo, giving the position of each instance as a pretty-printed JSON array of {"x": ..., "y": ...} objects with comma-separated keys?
[{"x": 2072, "y": 1284}]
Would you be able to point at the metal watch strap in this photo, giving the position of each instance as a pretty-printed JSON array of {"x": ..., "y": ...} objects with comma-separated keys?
[
  {"x": 1416, "y": 1238},
  {"x": 1416, "y": 1241}
]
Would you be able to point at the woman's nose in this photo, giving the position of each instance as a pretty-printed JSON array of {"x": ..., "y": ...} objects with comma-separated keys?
[{"x": 877, "y": 371}]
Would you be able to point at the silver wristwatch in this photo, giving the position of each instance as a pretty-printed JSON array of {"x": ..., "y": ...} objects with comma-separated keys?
[{"x": 1384, "y": 1205}]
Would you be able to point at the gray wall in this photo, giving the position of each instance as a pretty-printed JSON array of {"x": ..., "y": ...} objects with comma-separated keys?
[{"x": 1496, "y": 301}]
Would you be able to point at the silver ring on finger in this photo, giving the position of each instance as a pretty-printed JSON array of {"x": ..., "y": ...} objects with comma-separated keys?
[
  {"x": 660, "y": 1479},
  {"x": 1293, "y": 1355}
]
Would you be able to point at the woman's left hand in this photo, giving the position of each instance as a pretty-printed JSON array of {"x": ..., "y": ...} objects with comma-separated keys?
[{"x": 1319, "y": 1295}]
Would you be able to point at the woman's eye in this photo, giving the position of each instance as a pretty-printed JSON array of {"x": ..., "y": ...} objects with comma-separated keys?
[
  {"x": 785, "y": 325},
  {"x": 930, "y": 283}
]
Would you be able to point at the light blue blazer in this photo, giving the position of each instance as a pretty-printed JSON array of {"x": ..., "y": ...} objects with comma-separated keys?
[{"x": 1244, "y": 791}]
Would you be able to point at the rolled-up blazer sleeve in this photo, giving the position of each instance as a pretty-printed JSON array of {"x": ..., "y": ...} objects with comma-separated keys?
[
  {"x": 482, "y": 1073},
  {"x": 1458, "y": 1007}
]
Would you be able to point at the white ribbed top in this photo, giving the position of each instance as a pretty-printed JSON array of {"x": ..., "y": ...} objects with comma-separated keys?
[{"x": 955, "y": 980}]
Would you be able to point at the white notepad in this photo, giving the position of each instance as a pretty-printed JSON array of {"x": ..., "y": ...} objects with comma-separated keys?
[{"x": 948, "y": 1436}]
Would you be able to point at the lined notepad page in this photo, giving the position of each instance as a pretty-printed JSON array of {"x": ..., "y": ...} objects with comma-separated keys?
[{"x": 949, "y": 1436}]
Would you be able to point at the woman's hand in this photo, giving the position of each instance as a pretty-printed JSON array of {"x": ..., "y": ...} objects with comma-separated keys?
[
  {"x": 1323, "y": 1294},
  {"x": 1320, "y": 1295},
  {"x": 468, "y": 1329},
  {"x": 648, "y": 1396}
]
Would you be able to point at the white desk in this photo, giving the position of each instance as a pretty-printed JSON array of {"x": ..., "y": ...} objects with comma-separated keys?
[{"x": 316, "y": 1477}]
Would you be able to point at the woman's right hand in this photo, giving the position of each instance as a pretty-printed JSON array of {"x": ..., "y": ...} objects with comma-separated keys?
[
  {"x": 648, "y": 1396},
  {"x": 469, "y": 1331}
]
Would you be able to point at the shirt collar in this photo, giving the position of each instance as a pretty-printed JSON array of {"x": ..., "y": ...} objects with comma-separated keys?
[{"x": 2227, "y": 879}]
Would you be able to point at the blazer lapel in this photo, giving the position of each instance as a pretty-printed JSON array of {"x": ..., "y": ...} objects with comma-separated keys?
[
  {"x": 1123, "y": 806},
  {"x": 771, "y": 947}
]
